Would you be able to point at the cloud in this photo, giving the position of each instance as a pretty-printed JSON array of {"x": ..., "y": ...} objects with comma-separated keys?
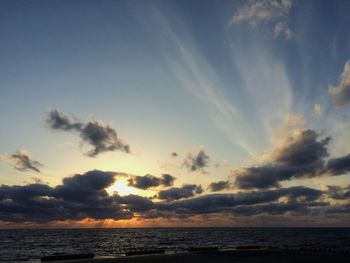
[
  {"x": 148, "y": 181},
  {"x": 174, "y": 154},
  {"x": 337, "y": 192},
  {"x": 341, "y": 209},
  {"x": 219, "y": 186},
  {"x": 318, "y": 110},
  {"x": 296, "y": 197},
  {"x": 341, "y": 92},
  {"x": 86, "y": 187},
  {"x": 95, "y": 133},
  {"x": 167, "y": 179},
  {"x": 338, "y": 166},
  {"x": 84, "y": 196},
  {"x": 137, "y": 204},
  {"x": 78, "y": 197},
  {"x": 275, "y": 13},
  {"x": 196, "y": 161},
  {"x": 303, "y": 150},
  {"x": 300, "y": 156},
  {"x": 293, "y": 123},
  {"x": 175, "y": 193},
  {"x": 23, "y": 161}
]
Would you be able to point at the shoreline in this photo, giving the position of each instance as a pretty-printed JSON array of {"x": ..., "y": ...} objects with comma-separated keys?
[{"x": 242, "y": 256}]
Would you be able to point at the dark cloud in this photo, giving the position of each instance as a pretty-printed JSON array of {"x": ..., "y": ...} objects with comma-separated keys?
[
  {"x": 86, "y": 187},
  {"x": 137, "y": 203},
  {"x": 78, "y": 197},
  {"x": 85, "y": 196},
  {"x": 148, "y": 181},
  {"x": 302, "y": 156},
  {"x": 219, "y": 186},
  {"x": 23, "y": 162},
  {"x": 95, "y": 133},
  {"x": 304, "y": 150},
  {"x": 196, "y": 161},
  {"x": 175, "y": 193},
  {"x": 167, "y": 179},
  {"x": 58, "y": 120},
  {"x": 341, "y": 92},
  {"x": 174, "y": 154},
  {"x": 262, "y": 177},
  {"x": 245, "y": 201},
  {"x": 276, "y": 208},
  {"x": 339, "y": 209},
  {"x": 338, "y": 166},
  {"x": 337, "y": 192}
]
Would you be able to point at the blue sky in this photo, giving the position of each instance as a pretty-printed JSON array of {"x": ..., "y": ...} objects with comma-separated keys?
[{"x": 171, "y": 76}]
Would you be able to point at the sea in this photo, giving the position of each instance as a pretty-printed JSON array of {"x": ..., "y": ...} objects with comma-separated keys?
[{"x": 31, "y": 245}]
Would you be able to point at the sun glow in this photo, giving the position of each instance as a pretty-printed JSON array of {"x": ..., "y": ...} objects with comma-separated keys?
[{"x": 122, "y": 188}]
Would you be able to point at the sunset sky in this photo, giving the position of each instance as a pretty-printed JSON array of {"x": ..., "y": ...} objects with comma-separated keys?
[{"x": 174, "y": 113}]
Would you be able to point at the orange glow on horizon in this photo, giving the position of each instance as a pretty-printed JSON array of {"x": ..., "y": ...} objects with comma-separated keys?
[{"x": 136, "y": 222}]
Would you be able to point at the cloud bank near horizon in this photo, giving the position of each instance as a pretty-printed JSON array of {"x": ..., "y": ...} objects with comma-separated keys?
[{"x": 84, "y": 196}]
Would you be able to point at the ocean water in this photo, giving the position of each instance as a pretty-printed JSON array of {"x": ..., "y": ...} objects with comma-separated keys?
[{"x": 20, "y": 245}]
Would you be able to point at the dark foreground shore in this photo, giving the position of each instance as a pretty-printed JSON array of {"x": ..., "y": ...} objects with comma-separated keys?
[{"x": 251, "y": 256}]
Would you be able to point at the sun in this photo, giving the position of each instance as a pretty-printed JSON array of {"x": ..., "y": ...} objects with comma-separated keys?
[{"x": 122, "y": 188}]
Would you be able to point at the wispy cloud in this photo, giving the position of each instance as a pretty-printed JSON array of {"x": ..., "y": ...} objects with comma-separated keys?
[
  {"x": 202, "y": 81},
  {"x": 23, "y": 161},
  {"x": 268, "y": 90}
]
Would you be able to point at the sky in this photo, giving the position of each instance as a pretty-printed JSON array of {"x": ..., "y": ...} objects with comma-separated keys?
[{"x": 174, "y": 113}]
